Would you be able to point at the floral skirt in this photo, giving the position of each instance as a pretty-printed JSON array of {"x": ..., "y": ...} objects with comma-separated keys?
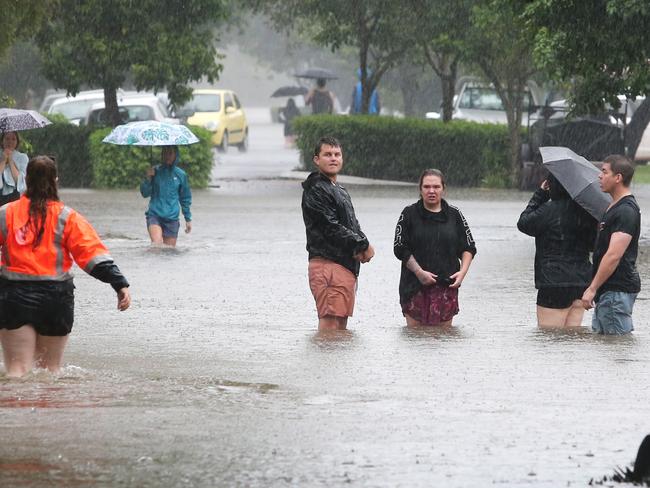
[{"x": 432, "y": 305}]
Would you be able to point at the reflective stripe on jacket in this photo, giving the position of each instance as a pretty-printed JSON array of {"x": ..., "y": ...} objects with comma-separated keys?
[{"x": 67, "y": 236}]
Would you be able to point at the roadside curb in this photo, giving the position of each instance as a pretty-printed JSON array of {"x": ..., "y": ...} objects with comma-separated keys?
[{"x": 346, "y": 180}]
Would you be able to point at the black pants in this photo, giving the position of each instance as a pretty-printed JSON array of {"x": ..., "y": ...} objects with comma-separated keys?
[{"x": 9, "y": 198}]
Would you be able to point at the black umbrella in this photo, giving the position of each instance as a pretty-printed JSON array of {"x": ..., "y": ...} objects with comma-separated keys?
[
  {"x": 579, "y": 178},
  {"x": 289, "y": 91},
  {"x": 317, "y": 73},
  {"x": 12, "y": 119}
]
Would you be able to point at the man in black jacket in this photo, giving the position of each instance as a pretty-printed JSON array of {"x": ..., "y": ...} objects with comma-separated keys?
[
  {"x": 616, "y": 281},
  {"x": 335, "y": 242}
]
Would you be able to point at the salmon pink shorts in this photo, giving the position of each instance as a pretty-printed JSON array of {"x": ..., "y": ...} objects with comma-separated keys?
[{"x": 333, "y": 287}]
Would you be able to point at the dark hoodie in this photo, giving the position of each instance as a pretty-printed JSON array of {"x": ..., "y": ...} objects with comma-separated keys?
[
  {"x": 437, "y": 241},
  {"x": 333, "y": 231}
]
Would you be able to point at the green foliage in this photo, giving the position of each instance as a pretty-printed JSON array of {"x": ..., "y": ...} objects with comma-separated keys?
[
  {"x": 68, "y": 143},
  {"x": 469, "y": 154},
  {"x": 159, "y": 43},
  {"x": 124, "y": 166}
]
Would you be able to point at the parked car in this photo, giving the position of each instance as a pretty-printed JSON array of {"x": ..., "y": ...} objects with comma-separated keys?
[
  {"x": 75, "y": 108},
  {"x": 132, "y": 108},
  {"x": 221, "y": 112},
  {"x": 478, "y": 101},
  {"x": 49, "y": 100}
]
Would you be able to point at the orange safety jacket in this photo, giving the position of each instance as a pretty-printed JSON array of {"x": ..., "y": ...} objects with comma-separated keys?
[{"x": 67, "y": 235}]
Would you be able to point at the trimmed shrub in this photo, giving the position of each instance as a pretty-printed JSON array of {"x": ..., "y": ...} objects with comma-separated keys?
[
  {"x": 125, "y": 166},
  {"x": 470, "y": 154},
  {"x": 68, "y": 143}
]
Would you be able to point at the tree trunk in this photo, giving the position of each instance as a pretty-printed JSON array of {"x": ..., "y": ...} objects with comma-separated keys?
[
  {"x": 634, "y": 131},
  {"x": 111, "y": 110},
  {"x": 448, "y": 88},
  {"x": 512, "y": 104}
]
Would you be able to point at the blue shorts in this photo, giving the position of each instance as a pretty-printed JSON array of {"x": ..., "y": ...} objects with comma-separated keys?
[
  {"x": 613, "y": 313},
  {"x": 169, "y": 227}
]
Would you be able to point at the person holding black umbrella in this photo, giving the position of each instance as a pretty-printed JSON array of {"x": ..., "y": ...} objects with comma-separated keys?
[
  {"x": 616, "y": 280},
  {"x": 564, "y": 235},
  {"x": 13, "y": 165},
  {"x": 320, "y": 98}
]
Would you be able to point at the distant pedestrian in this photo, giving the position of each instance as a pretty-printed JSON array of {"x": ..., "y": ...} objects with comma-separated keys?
[
  {"x": 335, "y": 242},
  {"x": 374, "y": 107},
  {"x": 287, "y": 114},
  {"x": 170, "y": 193},
  {"x": 13, "y": 165},
  {"x": 40, "y": 238},
  {"x": 320, "y": 98},
  {"x": 616, "y": 281},
  {"x": 564, "y": 236},
  {"x": 435, "y": 245}
]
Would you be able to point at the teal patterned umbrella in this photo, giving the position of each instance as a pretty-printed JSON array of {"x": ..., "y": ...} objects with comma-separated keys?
[{"x": 150, "y": 133}]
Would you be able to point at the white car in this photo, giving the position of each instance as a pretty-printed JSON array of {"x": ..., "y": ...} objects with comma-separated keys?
[
  {"x": 132, "y": 108},
  {"x": 75, "y": 108},
  {"x": 479, "y": 102}
]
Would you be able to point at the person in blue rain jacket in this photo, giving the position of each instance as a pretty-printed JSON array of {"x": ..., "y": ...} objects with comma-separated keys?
[{"x": 169, "y": 189}]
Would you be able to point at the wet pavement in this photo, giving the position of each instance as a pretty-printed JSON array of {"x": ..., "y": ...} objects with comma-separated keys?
[{"x": 216, "y": 376}]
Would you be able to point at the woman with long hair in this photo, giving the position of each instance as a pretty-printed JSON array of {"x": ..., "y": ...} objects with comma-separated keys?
[
  {"x": 40, "y": 238},
  {"x": 13, "y": 164}
]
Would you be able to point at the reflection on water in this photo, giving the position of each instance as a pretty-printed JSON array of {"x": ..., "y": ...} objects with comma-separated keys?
[{"x": 217, "y": 376}]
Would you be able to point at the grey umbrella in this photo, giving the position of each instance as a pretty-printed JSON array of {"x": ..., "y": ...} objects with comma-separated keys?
[
  {"x": 317, "y": 73},
  {"x": 579, "y": 178},
  {"x": 12, "y": 119}
]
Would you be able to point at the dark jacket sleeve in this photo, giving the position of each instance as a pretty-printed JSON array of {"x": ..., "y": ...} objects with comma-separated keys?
[
  {"x": 108, "y": 272},
  {"x": 465, "y": 235},
  {"x": 401, "y": 247},
  {"x": 321, "y": 207},
  {"x": 531, "y": 219}
]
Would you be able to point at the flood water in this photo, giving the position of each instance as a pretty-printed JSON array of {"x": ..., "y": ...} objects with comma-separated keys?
[{"x": 216, "y": 376}]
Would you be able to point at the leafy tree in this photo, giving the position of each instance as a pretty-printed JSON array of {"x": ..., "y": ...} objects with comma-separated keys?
[
  {"x": 500, "y": 44},
  {"x": 375, "y": 28},
  {"x": 603, "y": 47},
  {"x": 20, "y": 75},
  {"x": 440, "y": 27},
  {"x": 160, "y": 44},
  {"x": 19, "y": 18}
]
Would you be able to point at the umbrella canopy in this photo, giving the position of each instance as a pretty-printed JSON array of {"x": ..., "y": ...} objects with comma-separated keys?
[
  {"x": 150, "y": 133},
  {"x": 12, "y": 119},
  {"x": 317, "y": 73},
  {"x": 289, "y": 91},
  {"x": 579, "y": 178}
]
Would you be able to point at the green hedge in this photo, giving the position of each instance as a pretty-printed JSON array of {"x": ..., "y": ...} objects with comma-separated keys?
[
  {"x": 83, "y": 160},
  {"x": 125, "y": 166},
  {"x": 68, "y": 143},
  {"x": 470, "y": 154}
]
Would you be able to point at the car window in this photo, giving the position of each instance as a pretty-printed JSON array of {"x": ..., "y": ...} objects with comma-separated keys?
[
  {"x": 75, "y": 109},
  {"x": 204, "y": 102},
  {"x": 481, "y": 98},
  {"x": 237, "y": 104},
  {"x": 228, "y": 100},
  {"x": 132, "y": 113},
  {"x": 163, "y": 108}
]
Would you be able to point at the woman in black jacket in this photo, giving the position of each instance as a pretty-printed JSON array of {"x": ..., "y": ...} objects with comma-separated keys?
[
  {"x": 564, "y": 235},
  {"x": 435, "y": 245}
]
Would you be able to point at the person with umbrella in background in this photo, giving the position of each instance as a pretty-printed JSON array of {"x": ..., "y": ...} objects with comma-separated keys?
[
  {"x": 169, "y": 189},
  {"x": 287, "y": 114},
  {"x": 616, "y": 281},
  {"x": 564, "y": 235},
  {"x": 13, "y": 166},
  {"x": 320, "y": 98}
]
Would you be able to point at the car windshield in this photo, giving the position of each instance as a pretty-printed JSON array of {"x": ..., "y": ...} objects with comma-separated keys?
[
  {"x": 131, "y": 113},
  {"x": 204, "y": 102},
  {"x": 73, "y": 109},
  {"x": 481, "y": 98}
]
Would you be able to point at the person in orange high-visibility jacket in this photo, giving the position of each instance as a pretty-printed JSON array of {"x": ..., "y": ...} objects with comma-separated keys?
[{"x": 40, "y": 238}]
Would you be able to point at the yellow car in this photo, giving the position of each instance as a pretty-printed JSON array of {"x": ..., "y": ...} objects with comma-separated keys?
[{"x": 220, "y": 112}]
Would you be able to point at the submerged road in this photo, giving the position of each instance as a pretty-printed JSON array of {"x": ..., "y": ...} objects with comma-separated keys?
[{"x": 216, "y": 375}]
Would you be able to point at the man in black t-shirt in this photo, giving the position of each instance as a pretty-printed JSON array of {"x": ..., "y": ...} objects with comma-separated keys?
[{"x": 616, "y": 281}]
